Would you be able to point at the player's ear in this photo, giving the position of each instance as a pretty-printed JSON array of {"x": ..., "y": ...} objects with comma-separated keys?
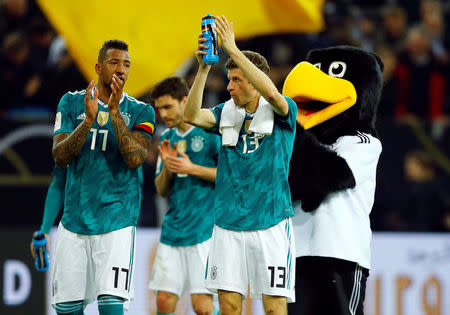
[
  {"x": 98, "y": 68},
  {"x": 184, "y": 100}
]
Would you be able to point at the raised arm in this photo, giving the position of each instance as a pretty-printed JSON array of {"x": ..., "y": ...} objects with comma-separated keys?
[
  {"x": 66, "y": 146},
  {"x": 133, "y": 146},
  {"x": 193, "y": 113},
  {"x": 256, "y": 77}
]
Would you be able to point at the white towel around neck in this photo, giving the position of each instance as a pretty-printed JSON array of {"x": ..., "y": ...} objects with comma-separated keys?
[{"x": 233, "y": 116}]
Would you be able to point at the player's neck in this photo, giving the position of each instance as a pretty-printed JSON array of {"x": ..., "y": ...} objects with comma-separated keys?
[
  {"x": 182, "y": 126},
  {"x": 103, "y": 92},
  {"x": 252, "y": 106}
]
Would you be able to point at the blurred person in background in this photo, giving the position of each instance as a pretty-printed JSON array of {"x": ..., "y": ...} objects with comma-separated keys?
[
  {"x": 421, "y": 81},
  {"x": 104, "y": 135},
  {"x": 62, "y": 74},
  {"x": 185, "y": 173},
  {"x": 19, "y": 80},
  {"x": 364, "y": 30},
  {"x": 14, "y": 15},
  {"x": 394, "y": 27},
  {"x": 425, "y": 206},
  {"x": 41, "y": 36},
  {"x": 432, "y": 21},
  {"x": 389, "y": 97}
]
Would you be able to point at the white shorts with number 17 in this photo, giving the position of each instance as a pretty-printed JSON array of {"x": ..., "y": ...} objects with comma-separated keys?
[
  {"x": 261, "y": 259},
  {"x": 87, "y": 266}
]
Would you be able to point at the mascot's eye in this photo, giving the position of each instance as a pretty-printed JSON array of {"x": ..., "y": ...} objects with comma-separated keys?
[
  {"x": 318, "y": 65},
  {"x": 337, "y": 69}
]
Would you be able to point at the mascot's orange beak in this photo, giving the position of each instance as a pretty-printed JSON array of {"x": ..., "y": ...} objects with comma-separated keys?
[{"x": 306, "y": 83}]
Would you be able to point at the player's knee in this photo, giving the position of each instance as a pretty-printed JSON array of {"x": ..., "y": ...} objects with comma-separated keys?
[
  {"x": 166, "y": 302},
  {"x": 272, "y": 311},
  {"x": 276, "y": 309},
  {"x": 203, "y": 308},
  {"x": 228, "y": 307}
]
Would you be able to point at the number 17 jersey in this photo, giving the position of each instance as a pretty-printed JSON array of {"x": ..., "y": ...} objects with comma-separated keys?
[{"x": 102, "y": 193}]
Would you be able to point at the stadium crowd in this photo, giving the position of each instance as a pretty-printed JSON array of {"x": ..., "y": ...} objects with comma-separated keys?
[{"x": 411, "y": 37}]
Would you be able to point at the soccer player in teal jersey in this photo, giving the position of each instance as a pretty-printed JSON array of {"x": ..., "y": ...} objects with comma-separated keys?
[
  {"x": 185, "y": 174},
  {"x": 102, "y": 135},
  {"x": 251, "y": 243}
]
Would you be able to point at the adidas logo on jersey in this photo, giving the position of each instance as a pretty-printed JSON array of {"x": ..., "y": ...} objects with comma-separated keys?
[{"x": 82, "y": 116}]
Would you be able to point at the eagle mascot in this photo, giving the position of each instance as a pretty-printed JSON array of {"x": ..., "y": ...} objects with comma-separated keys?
[{"x": 332, "y": 176}]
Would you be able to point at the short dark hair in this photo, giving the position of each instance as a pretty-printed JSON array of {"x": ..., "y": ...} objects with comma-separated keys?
[
  {"x": 257, "y": 59},
  {"x": 173, "y": 86},
  {"x": 111, "y": 44}
]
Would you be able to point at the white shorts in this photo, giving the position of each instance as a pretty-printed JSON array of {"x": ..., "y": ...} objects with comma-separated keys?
[
  {"x": 177, "y": 268},
  {"x": 261, "y": 259},
  {"x": 87, "y": 266}
]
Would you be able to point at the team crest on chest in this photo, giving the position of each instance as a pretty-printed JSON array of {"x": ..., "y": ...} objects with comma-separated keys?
[
  {"x": 197, "y": 143},
  {"x": 102, "y": 118},
  {"x": 181, "y": 146}
]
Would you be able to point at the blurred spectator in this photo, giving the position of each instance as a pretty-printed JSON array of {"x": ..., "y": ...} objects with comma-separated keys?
[
  {"x": 421, "y": 82},
  {"x": 363, "y": 30},
  {"x": 434, "y": 26},
  {"x": 14, "y": 15},
  {"x": 41, "y": 37},
  {"x": 394, "y": 27},
  {"x": 19, "y": 80},
  {"x": 62, "y": 73},
  {"x": 389, "y": 97},
  {"x": 425, "y": 202}
]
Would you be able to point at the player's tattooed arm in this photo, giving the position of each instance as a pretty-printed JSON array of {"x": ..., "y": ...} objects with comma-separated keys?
[
  {"x": 133, "y": 146},
  {"x": 66, "y": 146}
]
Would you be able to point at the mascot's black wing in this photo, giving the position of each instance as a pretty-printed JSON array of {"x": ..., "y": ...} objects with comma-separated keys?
[{"x": 316, "y": 171}]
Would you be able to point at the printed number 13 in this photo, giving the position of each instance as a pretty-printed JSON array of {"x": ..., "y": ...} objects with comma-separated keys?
[
  {"x": 94, "y": 137},
  {"x": 281, "y": 275}
]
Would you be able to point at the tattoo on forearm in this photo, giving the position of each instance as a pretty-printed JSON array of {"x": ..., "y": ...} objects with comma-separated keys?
[
  {"x": 132, "y": 145},
  {"x": 68, "y": 148}
]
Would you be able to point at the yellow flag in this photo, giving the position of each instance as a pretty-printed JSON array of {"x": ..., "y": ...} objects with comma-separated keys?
[{"x": 163, "y": 34}]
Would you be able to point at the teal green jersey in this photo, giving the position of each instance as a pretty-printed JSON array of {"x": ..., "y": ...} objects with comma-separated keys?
[
  {"x": 102, "y": 193},
  {"x": 252, "y": 189},
  {"x": 190, "y": 218}
]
